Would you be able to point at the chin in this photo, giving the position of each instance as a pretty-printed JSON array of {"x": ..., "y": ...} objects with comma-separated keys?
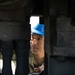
[{"x": 35, "y": 52}]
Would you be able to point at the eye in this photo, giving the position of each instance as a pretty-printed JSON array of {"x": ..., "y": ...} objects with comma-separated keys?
[{"x": 39, "y": 38}]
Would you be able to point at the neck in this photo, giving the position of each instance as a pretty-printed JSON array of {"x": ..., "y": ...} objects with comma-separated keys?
[{"x": 39, "y": 57}]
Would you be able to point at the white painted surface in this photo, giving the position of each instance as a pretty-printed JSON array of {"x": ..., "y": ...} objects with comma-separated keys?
[
  {"x": 12, "y": 63},
  {"x": 34, "y": 20}
]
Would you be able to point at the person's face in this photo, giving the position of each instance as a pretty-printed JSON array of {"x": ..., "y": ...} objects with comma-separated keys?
[{"x": 37, "y": 43}]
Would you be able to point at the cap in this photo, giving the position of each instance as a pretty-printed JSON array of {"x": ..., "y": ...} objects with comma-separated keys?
[{"x": 38, "y": 29}]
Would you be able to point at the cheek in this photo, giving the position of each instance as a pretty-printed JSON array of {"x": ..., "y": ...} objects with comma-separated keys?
[{"x": 41, "y": 45}]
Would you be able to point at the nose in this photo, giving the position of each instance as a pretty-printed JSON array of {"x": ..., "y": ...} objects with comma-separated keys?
[{"x": 34, "y": 42}]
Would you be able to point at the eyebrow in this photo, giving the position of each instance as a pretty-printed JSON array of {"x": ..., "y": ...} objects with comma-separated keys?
[{"x": 37, "y": 35}]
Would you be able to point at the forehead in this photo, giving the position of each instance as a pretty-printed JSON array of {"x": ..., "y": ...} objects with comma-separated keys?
[{"x": 37, "y": 35}]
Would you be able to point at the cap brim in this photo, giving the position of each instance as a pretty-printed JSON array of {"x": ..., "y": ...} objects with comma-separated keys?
[{"x": 37, "y": 32}]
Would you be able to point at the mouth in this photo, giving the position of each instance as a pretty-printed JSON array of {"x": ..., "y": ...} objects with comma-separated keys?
[{"x": 34, "y": 47}]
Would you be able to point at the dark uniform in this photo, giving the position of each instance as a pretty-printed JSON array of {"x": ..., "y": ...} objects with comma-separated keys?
[{"x": 15, "y": 34}]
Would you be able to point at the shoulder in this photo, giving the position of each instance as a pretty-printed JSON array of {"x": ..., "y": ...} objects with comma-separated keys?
[{"x": 31, "y": 59}]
